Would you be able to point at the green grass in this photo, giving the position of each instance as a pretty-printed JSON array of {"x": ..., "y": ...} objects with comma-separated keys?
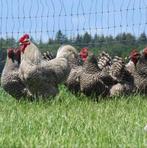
[{"x": 73, "y": 121}]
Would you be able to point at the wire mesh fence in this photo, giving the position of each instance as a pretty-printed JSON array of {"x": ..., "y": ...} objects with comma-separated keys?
[
  {"x": 44, "y": 18},
  {"x": 79, "y": 22}
]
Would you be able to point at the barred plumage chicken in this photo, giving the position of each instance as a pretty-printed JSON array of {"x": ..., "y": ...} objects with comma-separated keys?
[
  {"x": 72, "y": 81},
  {"x": 10, "y": 80},
  {"x": 125, "y": 81},
  {"x": 140, "y": 72},
  {"x": 141, "y": 65},
  {"x": 48, "y": 55},
  {"x": 90, "y": 79},
  {"x": 134, "y": 56},
  {"x": 117, "y": 68},
  {"x": 104, "y": 62}
]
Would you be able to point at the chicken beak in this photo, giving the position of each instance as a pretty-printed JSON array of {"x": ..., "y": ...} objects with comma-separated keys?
[{"x": 25, "y": 41}]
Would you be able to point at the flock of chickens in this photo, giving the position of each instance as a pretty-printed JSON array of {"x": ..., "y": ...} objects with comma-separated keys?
[{"x": 30, "y": 74}]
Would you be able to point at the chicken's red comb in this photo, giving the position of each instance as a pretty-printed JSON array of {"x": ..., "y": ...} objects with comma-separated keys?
[
  {"x": 134, "y": 52},
  {"x": 25, "y": 36},
  {"x": 84, "y": 49}
]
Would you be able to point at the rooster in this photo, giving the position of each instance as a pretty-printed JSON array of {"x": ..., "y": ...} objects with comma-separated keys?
[
  {"x": 10, "y": 80},
  {"x": 42, "y": 76},
  {"x": 140, "y": 70}
]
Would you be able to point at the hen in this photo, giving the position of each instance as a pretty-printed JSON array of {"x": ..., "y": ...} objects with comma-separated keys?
[
  {"x": 125, "y": 81},
  {"x": 90, "y": 78},
  {"x": 104, "y": 62},
  {"x": 75, "y": 64},
  {"x": 72, "y": 81},
  {"x": 10, "y": 80},
  {"x": 140, "y": 70}
]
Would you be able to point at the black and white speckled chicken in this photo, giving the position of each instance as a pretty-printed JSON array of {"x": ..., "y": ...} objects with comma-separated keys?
[
  {"x": 125, "y": 81},
  {"x": 90, "y": 79},
  {"x": 73, "y": 82},
  {"x": 140, "y": 70},
  {"x": 104, "y": 62}
]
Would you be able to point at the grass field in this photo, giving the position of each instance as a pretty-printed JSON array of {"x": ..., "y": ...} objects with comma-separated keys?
[{"x": 73, "y": 121}]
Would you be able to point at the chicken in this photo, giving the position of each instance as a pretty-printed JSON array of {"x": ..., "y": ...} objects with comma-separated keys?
[
  {"x": 116, "y": 89},
  {"x": 90, "y": 78},
  {"x": 125, "y": 81},
  {"x": 42, "y": 76},
  {"x": 10, "y": 80},
  {"x": 141, "y": 65},
  {"x": 104, "y": 62},
  {"x": 73, "y": 82},
  {"x": 140, "y": 72},
  {"x": 75, "y": 64},
  {"x": 134, "y": 56},
  {"x": 117, "y": 68},
  {"x": 72, "y": 61}
]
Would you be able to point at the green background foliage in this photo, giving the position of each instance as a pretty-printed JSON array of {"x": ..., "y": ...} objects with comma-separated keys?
[{"x": 119, "y": 45}]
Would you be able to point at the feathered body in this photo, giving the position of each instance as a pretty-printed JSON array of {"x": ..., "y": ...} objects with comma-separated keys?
[
  {"x": 73, "y": 82},
  {"x": 130, "y": 66},
  {"x": 42, "y": 76},
  {"x": 140, "y": 72},
  {"x": 75, "y": 63},
  {"x": 90, "y": 79},
  {"x": 10, "y": 80},
  {"x": 117, "y": 68},
  {"x": 104, "y": 62},
  {"x": 124, "y": 79}
]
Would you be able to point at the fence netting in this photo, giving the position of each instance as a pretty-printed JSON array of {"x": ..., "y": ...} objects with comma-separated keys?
[{"x": 79, "y": 22}]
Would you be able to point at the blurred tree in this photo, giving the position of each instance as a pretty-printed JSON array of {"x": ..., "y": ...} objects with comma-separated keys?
[
  {"x": 142, "y": 38},
  {"x": 60, "y": 38},
  {"x": 86, "y": 38}
]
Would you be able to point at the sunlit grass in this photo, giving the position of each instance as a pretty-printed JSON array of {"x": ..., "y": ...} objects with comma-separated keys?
[{"x": 73, "y": 121}]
